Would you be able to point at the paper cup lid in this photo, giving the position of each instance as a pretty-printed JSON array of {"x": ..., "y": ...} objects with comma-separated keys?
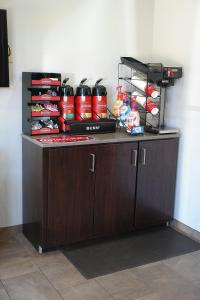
[
  {"x": 155, "y": 94},
  {"x": 154, "y": 111}
]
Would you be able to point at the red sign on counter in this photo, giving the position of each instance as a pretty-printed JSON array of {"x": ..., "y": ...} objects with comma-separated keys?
[{"x": 64, "y": 139}]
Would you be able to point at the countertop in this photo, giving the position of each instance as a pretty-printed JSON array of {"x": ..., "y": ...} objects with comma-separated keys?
[{"x": 120, "y": 136}]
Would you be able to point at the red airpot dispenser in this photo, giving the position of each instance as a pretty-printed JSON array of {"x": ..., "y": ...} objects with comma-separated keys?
[
  {"x": 83, "y": 102},
  {"x": 99, "y": 101},
  {"x": 90, "y": 111},
  {"x": 66, "y": 104}
]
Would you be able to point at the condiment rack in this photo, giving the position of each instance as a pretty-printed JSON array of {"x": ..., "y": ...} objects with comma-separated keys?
[{"x": 40, "y": 95}]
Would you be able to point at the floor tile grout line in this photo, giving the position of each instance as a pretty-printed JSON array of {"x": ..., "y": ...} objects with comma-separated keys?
[
  {"x": 128, "y": 271},
  {"x": 24, "y": 244},
  {"x": 104, "y": 288},
  {"x": 52, "y": 285},
  {"x": 146, "y": 283},
  {"x": 180, "y": 275},
  {"x": 79, "y": 284},
  {"x": 5, "y": 289},
  {"x": 75, "y": 291},
  {"x": 76, "y": 285},
  {"x": 38, "y": 270},
  {"x": 19, "y": 275}
]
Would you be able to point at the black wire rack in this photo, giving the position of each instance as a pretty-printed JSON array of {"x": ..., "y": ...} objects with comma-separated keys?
[{"x": 154, "y": 73}]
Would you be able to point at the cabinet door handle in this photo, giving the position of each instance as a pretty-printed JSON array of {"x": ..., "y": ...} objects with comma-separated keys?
[
  {"x": 134, "y": 154},
  {"x": 144, "y": 153},
  {"x": 93, "y": 162}
]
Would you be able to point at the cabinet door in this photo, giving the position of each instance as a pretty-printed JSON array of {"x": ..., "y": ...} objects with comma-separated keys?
[
  {"x": 156, "y": 182},
  {"x": 70, "y": 195},
  {"x": 115, "y": 176}
]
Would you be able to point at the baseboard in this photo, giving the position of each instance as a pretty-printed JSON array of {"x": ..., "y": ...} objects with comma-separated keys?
[
  {"x": 16, "y": 228},
  {"x": 175, "y": 224},
  {"x": 186, "y": 230}
]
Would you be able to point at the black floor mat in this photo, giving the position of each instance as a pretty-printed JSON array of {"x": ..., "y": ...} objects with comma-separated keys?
[{"x": 134, "y": 250}]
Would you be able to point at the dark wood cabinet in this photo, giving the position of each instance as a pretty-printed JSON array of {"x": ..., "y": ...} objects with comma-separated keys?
[
  {"x": 115, "y": 179},
  {"x": 89, "y": 192},
  {"x": 70, "y": 195},
  {"x": 76, "y": 193},
  {"x": 156, "y": 182}
]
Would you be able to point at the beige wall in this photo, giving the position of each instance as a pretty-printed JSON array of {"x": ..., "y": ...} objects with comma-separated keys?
[{"x": 177, "y": 42}]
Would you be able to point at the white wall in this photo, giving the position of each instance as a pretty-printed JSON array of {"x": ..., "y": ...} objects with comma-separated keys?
[
  {"x": 177, "y": 42},
  {"x": 80, "y": 38}
]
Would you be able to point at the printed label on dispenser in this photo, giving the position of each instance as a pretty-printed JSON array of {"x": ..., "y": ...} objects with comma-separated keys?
[
  {"x": 83, "y": 108},
  {"x": 99, "y": 107}
]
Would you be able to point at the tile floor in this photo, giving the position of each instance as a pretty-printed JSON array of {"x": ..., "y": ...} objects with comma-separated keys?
[{"x": 26, "y": 275}]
